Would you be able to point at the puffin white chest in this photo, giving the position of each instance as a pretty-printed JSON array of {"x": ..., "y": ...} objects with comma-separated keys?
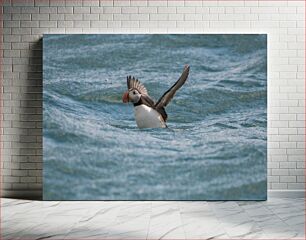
[{"x": 147, "y": 117}]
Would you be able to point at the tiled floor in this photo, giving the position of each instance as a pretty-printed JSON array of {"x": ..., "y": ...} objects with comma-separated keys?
[{"x": 273, "y": 219}]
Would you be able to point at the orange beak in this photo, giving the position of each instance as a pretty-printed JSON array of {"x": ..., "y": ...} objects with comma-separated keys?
[{"x": 125, "y": 97}]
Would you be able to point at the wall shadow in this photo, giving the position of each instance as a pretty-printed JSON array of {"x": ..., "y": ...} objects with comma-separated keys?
[{"x": 31, "y": 125}]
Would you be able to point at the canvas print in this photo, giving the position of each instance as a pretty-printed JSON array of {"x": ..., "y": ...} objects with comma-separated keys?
[{"x": 155, "y": 117}]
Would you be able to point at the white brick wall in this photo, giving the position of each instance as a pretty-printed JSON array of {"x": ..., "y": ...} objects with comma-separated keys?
[{"x": 24, "y": 22}]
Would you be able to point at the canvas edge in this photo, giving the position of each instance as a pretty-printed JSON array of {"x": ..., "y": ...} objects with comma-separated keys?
[{"x": 37, "y": 194}]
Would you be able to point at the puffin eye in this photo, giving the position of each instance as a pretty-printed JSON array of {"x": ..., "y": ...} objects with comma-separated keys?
[{"x": 134, "y": 92}]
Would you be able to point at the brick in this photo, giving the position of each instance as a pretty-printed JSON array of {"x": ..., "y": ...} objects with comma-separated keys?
[
  {"x": 105, "y": 17},
  {"x": 91, "y": 17},
  {"x": 57, "y": 17},
  {"x": 29, "y": 24},
  {"x": 81, "y": 9},
  {"x": 287, "y": 179},
  {"x": 287, "y": 116},
  {"x": 111, "y": 10},
  {"x": 221, "y": 24},
  {"x": 140, "y": 17},
  {"x": 287, "y": 131},
  {"x": 288, "y": 103},
  {"x": 137, "y": 3},
  {"x": 63, "y": 10},
  {"x": 297, "y": 124},
  {"x": 158, "y": 17},
  {"x": 300, "y": 179},
  {"x": 176, "y": 17},
  {"x": 260, "y": 10},
  {"x": 10, "y": 9},
  {"x": 64, "y": 24},
  {"x": 217, "y": 10},
  {"x": 27, "y": 179},
  {"x": 113, "y": 24},
  {"x": 21, "y": 31},
  {"x": 228, "y": 17},
  {"x": 48, "y": 10},
  {"x": 296, "y": 186},
  {"x": 40, "y": 17},
  {"x": 106, "y": 3},
  {"x": 21, "y": 16},
  {"x": 273, "y": 179},
  {"x": 193, "y": 3},
  {"x": 35, "y": 173},
  {"x": 296, "y": 172},
  {"x": 11, "y": 24},
  {"x": 121, "y": 3},
  {"x": 298, "y": 154},
  {"x": 290, "y": 10},
  {"x": 11, "y": 53},
  {"x": 193, "y": 17},
  {"x": 167, "y": 24},
  {"x": 242, "y": 10},
  {"x": 148, "y": 24},
  {"x": 202, "y": 10},
  {"x": 23, "y": 3},
  {"x": 82, "y": 24},
  {"x": 130, "y": 24},
  {"x": 287, "y": 165},
  {"x": 280, "y": 172},
  {"x": 73, "y": 16},
  {"x": 19, "y": 173},
  {"x": 40, "y": 3},
  {"x": 11, "y": 179},
  {"x": 29, "y": 10},
  {"x": 231, "y": 3},
  {"x": 47, "y": 24},
  {"x": 158, "y": 3},
  {"x": 185, "y": 24},
  {"x": 265, "y": 24},
  {"x": 277, "y": 186},
  {"x": 73, "y": 3},
  {"x": 210, "y": 17},
  {"x": 147, "y": 9},
  {"x": 98, "y": 24},
  {"x": 185, "y": 10},
  {"x": 121, "y": 17},
  {"x": 57, "y": 3},
  {"x": 129, "y": 10},
  {"x": 273, "y": 165},
  {"x": 35, "y": 31},
  {"x": 300, "y": 165},
  {"x": 91, "y": 3},
  {"x": 166, "y": 10},
  {"x": 96, "y": 10}
]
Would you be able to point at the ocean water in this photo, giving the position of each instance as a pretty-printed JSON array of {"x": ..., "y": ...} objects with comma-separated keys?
[{"x": 215, "y": 146}]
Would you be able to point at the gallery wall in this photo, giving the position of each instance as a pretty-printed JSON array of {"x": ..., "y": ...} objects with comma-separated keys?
[{"x": 24, "y": 22}]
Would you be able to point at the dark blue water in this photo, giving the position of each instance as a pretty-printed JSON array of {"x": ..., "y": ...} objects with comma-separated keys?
[{"x": 215, "y": 147}]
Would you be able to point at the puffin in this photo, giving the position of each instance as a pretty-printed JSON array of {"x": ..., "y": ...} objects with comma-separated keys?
[{"x": 148, "y": 113}]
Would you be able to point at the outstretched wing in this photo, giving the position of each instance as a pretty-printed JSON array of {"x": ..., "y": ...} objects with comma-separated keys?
[
  {"x": 133, "y": 83},
  {"x": 166, "y": 98},
  {"x": 147, "y": 100}
]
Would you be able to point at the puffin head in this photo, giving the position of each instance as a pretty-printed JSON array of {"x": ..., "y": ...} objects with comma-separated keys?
[
  {"x": 132, "y": 95},
  {"x": 135, "y": 90}
]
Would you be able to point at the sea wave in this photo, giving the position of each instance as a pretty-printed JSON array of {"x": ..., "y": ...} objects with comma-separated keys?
[{"x": 216, "y": 128}]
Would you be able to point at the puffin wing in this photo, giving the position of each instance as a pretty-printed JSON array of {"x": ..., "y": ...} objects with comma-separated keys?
[
  {"x": 133, "y": 83},
  {"x": 166, "y": 98},
  {"x": 147, "y": 100}
]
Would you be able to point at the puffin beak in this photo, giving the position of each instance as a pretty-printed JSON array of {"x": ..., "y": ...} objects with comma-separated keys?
[{"x": 125, "y": 97}]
